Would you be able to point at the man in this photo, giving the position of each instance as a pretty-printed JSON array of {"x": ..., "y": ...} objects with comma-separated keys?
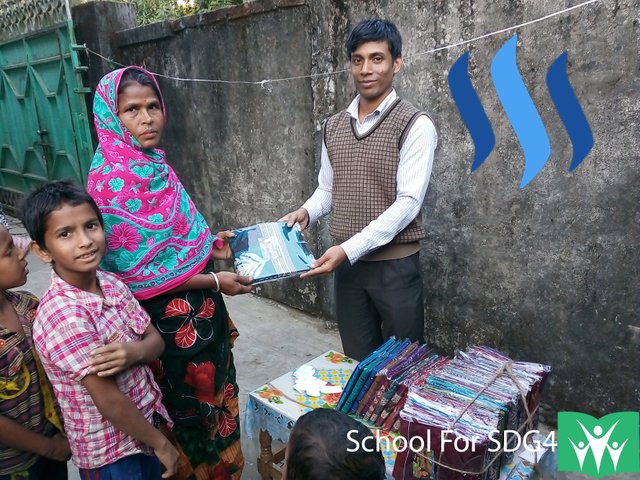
[{"x": 375, "y": 168}]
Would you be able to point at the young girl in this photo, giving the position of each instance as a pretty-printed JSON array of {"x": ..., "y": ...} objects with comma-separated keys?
[
  {"x": 159, "y": 244},
  {"x": 32, "y": 446}
]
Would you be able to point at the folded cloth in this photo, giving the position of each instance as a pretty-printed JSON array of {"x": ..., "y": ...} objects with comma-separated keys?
[{"x": 270, "y": 251}]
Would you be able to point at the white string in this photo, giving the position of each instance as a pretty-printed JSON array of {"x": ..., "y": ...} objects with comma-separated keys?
[
  {"x": 486, "y": 35},
  {"x": 263, "y": 83},
  {"x": 267, "y": 83}
]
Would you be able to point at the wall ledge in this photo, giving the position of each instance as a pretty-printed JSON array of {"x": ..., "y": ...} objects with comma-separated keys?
[{"x": 168, "y": 28}]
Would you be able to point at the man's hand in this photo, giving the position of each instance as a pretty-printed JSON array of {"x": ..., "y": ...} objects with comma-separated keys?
[
  {"x": 234, "y": 284},
  {"x": 58, "y": 448},
  {"x": 168, "y": 456},
  {"x": 300, "y": 216},
  {"x": 327, "y": 263},
  {"x": 114, "y": 358},
  {"x": 223, "y": 252}
]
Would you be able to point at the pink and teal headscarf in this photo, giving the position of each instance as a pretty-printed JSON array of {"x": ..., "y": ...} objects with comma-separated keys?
[{"x": 156, "y": 238}]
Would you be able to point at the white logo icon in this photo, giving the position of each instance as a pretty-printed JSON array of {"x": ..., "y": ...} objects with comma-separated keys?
[{"x": 598, "y": 443}]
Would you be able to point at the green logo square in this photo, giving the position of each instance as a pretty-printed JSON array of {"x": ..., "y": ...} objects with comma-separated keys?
[{"x": 599, "y": 447}]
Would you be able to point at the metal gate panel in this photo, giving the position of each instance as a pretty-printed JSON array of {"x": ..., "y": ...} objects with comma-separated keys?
[{"x": 44, "y": 130}]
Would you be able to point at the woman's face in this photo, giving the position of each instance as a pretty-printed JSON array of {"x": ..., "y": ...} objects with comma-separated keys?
[{"x": 140, "y": 111}]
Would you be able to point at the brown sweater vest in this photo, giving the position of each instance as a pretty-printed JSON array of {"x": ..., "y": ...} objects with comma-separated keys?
[{"x": 365, "y": 169}]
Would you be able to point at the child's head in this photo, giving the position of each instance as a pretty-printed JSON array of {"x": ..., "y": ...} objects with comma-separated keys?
[
  {"x": 140, "y": 107},
  {"x": 13, "y": 266},
  {"x": 318, "y": 449},
  {"x": 66, "y": 225}
]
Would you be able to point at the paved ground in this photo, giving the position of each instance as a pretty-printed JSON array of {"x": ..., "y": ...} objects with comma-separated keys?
[{"x": 273, "y": 340}]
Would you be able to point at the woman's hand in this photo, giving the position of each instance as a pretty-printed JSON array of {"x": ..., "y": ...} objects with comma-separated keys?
[
  {"x": 234, "y": 284},
  {"x": 222, "y": 252}
]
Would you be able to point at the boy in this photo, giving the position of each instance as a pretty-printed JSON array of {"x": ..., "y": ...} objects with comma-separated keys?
[
  {"x": 32, "y": 446},
  {"x": 109, "y": 420}
]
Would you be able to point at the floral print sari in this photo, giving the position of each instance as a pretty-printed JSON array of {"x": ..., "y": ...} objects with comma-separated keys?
[{"x": 198, "y": 381}]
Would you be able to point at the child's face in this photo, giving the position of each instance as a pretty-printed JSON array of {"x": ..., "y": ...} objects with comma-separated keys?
[
  {"x": 13, "y": 265},
  {"x": 74, "y": 240},
  {"x": 140, "y": 111}
]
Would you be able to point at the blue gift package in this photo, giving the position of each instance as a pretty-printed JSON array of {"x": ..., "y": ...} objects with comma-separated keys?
[{"x": 270, "y": 251}]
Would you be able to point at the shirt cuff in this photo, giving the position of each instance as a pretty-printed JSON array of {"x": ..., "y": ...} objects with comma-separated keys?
[
  {"x": 354, "y": 248},
  {"x": 314, "y": 212}
]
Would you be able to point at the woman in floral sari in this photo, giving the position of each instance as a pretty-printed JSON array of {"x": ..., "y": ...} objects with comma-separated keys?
[{"x": 159, "y": 244}]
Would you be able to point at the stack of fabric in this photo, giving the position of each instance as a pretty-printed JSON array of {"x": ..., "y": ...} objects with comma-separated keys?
[
  {"x": 453, "y": 406},
  {"x": 461, "y": 407}
]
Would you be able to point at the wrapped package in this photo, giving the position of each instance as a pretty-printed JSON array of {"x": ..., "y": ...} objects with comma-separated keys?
[{"x": 270, "y": 251}]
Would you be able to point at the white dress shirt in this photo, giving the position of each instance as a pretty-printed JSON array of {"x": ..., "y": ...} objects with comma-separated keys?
[{"x": 414, "y": 171}]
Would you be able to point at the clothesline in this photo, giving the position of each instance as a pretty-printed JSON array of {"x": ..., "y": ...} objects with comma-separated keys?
[{"x": 267, "y": 83}]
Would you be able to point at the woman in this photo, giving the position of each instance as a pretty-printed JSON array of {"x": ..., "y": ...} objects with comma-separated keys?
[{"x": 159, "y": 244}]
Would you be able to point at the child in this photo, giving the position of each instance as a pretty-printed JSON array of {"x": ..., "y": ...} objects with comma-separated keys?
[
  {"x": 3, "y": 219},
  {"x": 318, "y": 449},
  {"x": 32, "y": 446},
  {"x": 159, "y": 245},
  {"x": 20, "y": 241},
  {"x": 109, "y": 420}
]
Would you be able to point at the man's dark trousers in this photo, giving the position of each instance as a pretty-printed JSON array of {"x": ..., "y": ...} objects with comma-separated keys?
[{"x": 375, "y": 300}]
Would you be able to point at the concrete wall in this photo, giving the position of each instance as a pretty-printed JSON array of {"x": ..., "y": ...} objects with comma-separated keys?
[{"x": 547, "y": 273}]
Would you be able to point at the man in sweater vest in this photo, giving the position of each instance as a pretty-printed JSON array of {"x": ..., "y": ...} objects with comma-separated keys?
[{"x": 375, "y": 168}]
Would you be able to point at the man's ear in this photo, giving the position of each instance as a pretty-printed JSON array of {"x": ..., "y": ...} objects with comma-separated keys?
[
  {"x": 397, "y": 64},
  {"x": 40, "y": 252}
]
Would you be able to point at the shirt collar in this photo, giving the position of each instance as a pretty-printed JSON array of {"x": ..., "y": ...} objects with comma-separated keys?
[
  {"x": 92, "y": 301},
  {"x": 352, "y": 109}
]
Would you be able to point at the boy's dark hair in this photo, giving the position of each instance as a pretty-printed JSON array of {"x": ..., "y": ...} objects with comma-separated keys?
[
  {"x": 39, "y": 203},
  {"x": 133, "y": 75},
  {"x": 317, "y": 449},
  {"x": 375, "y": 30}
]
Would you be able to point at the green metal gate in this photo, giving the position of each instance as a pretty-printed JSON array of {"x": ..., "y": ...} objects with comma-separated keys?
[{"x": 44, "y": 129}]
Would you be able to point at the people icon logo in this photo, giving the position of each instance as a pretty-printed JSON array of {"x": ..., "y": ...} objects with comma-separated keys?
[{"x": 601, "y": 447}]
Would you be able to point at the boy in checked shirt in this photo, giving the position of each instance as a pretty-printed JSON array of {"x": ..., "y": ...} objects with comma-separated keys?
[{"x": 94, "y": 341}]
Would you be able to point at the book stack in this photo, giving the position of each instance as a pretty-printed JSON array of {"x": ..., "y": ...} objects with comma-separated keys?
[{"x": 379, "y": 385}]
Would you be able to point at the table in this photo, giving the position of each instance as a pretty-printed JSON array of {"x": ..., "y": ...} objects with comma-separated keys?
[{"x": 273, "y": 409}]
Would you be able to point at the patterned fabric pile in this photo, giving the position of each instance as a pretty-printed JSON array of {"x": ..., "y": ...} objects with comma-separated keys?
[{"x": 452, "y": 413}]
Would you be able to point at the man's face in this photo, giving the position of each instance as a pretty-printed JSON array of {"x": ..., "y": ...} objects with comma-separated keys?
[{"x": 373, "y": 68}]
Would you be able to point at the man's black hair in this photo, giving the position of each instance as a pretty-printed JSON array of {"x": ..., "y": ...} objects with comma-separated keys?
[
  {"x": 39, "y": 203},
  {"x": 375, "y": 30},
  {"x": 318, "y": 449}
]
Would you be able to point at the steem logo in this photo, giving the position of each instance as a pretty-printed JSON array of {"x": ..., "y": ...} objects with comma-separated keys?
[
  {"x": 598, "y": 447},
  {"x": 520, "y": 110}
]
